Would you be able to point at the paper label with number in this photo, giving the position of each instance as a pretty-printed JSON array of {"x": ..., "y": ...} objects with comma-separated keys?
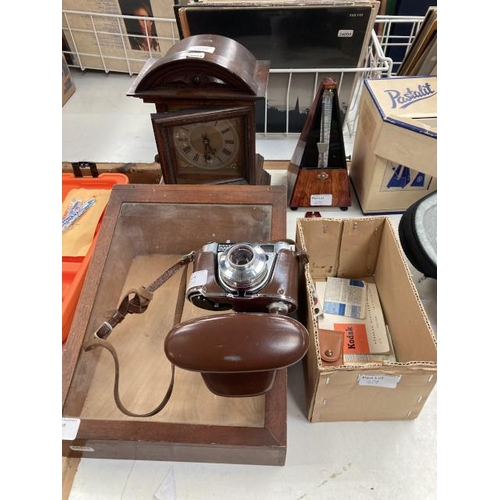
[
  {"x": 381, "y": 380},
  {"x": 70, "y": 428},
  {"x": 321, "y": 200}
]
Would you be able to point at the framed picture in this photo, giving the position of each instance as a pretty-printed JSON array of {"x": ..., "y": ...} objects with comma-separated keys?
[
  {"x": 290, "y": 35},
  {"x": 316, "y": 39}
]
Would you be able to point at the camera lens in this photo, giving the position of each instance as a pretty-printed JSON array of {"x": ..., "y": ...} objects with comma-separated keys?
[
  {"x": 243, "y": 267},
  {"x": 240, "y": 255}
]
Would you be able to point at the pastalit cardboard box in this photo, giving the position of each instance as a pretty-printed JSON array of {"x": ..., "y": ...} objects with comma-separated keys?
[
  {"x": 388, "y": 390},
  {"x": 394, "y": 160}
]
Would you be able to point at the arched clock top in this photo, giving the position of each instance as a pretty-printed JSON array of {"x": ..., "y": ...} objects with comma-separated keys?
[{"x": 202, "y": 64}]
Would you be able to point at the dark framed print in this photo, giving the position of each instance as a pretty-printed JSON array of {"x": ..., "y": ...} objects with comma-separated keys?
[
  {"x": 206, "y": 145},
  {"x": 311, "y": 37}
]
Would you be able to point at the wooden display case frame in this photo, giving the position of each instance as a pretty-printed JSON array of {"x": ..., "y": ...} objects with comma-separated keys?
[{"x": 143, "y": 439}]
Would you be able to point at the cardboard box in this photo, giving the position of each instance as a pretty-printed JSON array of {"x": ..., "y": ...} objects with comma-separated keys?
[
  {"x": 394, "y": 160},
  {"x": 359, "y": 248},
  {"x": 145, "y": 229},
  {"x": 68, "y": 86}
]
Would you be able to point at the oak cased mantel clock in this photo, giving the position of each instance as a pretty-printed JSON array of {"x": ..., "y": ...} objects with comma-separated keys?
[{"x": 204, "y": 90}]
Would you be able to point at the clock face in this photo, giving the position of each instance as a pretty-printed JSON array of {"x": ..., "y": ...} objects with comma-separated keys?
[{"x": 209, "y": 145}]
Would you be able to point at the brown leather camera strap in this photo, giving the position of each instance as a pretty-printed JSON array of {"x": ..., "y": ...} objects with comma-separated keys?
[
  {"x": 137, "y": 301},
  {"x": 116, "y": 387}
]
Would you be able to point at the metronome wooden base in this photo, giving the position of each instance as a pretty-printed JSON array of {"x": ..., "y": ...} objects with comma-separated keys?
[{"x": 320, "y": 187}]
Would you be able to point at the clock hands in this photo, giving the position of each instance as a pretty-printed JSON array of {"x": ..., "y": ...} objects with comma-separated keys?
[
  {"x": 209, "y": 151},
  {"x": 207, "y": 145}
]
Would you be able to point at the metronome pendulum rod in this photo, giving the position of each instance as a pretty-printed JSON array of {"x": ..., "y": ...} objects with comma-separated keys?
[{"x": 326, "y": 120}]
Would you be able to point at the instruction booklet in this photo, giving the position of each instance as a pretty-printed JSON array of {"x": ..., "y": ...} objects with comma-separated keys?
[
  {"x": 366, "y": 336},
  {"x": 345, "y": 297}
]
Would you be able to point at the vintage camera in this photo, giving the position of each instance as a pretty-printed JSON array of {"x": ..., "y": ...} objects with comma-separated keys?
[
  {"x": 245, "y": 277},
  {"x": 240, "y": 353}
]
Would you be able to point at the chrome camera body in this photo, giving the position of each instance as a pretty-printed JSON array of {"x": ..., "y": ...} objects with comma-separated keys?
[{"x": 250, "y": 277}]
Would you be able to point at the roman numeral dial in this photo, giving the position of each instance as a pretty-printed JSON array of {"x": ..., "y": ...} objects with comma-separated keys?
[{"x": 211, "y": 145}]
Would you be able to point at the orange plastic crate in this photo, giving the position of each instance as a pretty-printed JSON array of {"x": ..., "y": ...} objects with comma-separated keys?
[{"x": 74, "y": 269}]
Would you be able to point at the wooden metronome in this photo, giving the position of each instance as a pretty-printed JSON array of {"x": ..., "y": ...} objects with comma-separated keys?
[{"x": 317, "y": 174}]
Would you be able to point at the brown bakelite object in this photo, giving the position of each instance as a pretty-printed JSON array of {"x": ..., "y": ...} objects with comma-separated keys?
[{"x": 237, "y": 353}]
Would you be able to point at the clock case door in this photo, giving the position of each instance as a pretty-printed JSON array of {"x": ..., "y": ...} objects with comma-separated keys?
[{"x": 176, "y": 171}]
